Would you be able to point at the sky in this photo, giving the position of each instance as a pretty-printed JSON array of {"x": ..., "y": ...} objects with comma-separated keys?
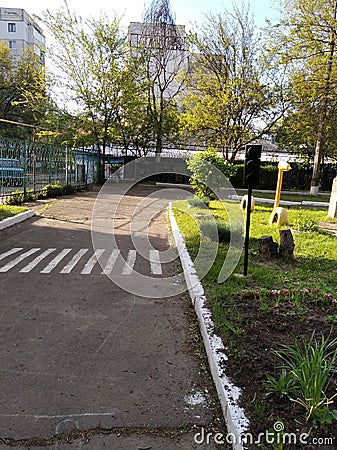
[{"x": 188, "y": 12}]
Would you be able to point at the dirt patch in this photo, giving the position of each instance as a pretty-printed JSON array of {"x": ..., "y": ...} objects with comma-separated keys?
[{"x": 255, "y": 325}]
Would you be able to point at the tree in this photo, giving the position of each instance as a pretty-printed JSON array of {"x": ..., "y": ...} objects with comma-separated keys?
[
  {"x": 230, "y": 100},
  {"x": 23, "y": 96},
  {"x": 89, "y": 55},
  {"x": 308, "y": 38},
  {"x": 161, "y": 46}
]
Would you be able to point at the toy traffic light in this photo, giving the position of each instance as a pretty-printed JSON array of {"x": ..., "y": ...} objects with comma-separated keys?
[{"x": 252, "y": 164}]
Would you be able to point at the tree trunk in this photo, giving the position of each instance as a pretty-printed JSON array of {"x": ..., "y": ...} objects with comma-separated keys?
[{"x": 286, "y": 244}]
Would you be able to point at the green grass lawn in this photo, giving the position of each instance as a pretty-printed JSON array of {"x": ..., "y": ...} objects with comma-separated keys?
[
  {"x": 315, "y": 256},
  {"x": 9, "y": 211}
]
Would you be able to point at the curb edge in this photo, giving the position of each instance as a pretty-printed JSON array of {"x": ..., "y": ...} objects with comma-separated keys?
[
  {"x": 234, "y": 416},
  {"x": 9, "y": 221}
]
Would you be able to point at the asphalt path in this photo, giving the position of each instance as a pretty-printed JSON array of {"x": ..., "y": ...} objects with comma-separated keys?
[{"x": 84, "y": 362}]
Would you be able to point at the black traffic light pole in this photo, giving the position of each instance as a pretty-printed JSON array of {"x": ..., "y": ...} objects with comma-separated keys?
[
  {"x": 251, "y": 176},
  {"x": 249, "y": 205}
]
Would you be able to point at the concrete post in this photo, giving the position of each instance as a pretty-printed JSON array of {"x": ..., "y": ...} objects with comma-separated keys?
[{"x": 333, "y": 200}]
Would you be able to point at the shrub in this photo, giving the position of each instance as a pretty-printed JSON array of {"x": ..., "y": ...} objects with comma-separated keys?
[
  {"x": 18, "y": 197},
  {"x": 54, "y": 190},
  {"x": 203, "y": 174}
]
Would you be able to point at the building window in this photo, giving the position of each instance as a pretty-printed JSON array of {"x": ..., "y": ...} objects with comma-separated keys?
[
  {"x": 11, "y": 27},
  {"x": 12, "y": 45}
]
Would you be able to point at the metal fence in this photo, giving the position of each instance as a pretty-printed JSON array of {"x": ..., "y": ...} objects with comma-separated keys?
[{"x": 26, "y": 165}]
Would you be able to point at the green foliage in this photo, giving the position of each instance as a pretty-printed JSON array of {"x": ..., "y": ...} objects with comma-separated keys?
[
  {"x": 306, "y": 372},
  {"x": 227, "y": 87},
  {"x": 309, "y": 55},
  {"x": 18, "y": 197},
  {"x": 48, "y": 191},
  {"x": 268, "y": 177},
  {"x": 207, "y": 170},
  {"x": 23, "y": 96},
  {"x": 55, "y": 190}
]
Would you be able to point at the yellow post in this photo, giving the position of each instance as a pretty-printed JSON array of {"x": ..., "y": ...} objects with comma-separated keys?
[
  {"x": 279, "y": 215},
  {"x": 278, "y": 188}
]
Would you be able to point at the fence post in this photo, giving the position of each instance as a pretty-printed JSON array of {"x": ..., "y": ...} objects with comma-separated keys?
[
  {"x": 67, "y": 166},
  {"x": 25, "y": 168},
  {"x": 2, "y": 175}
]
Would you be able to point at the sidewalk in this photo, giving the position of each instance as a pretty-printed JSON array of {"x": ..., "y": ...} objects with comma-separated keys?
[{"x": 87, "y": 363}]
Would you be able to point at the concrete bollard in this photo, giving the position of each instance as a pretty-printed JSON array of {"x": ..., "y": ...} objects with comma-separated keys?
[{"x": 333, "y": 200}]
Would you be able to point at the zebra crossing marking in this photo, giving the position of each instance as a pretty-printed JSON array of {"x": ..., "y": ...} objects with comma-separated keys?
[
  {"x": 54, "y": 262},
  {"x": 111, "y": 262},
  {"x": 72, "y": 263},
  {"x": 10, "y": 252},
  {"x": 130, "y": 262},
  {"x": 155, "y": 262},
  {"x": 87, "y": 268},
  {"x": 37, "y": 260},
  {"x": 92, "y": 261},
  {"x": 17, "y": 260}
]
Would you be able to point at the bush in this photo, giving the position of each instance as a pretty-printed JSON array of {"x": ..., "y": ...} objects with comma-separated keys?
[
  {"x": 268, "y": 177},
  {"x": 54, "y": 190},
  {"x": 204, "y": 177},
  {"x": 18, "y": 197}
]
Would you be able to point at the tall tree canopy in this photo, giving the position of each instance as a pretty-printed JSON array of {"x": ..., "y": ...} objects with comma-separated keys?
[
  {"x": 88, "y": 57},
  {"x": 23, "y": 96},
  {"x": 306, "y": 42},
  {"x": 230, "y": 100}
]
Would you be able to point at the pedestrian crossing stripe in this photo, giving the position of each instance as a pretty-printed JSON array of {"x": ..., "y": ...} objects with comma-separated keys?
[{"x": 79, "y": 259}]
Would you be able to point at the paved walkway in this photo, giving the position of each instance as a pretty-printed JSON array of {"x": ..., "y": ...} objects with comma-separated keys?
[{"x": 85, "y": 364}]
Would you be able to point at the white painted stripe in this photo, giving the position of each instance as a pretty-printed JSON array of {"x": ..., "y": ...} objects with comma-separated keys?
[
  {"x": 54, "y": 262},
  {"x": 37, "y": 260},
  {"x": 130, "y": 262},
  {"x": 72, "y": 263},
  {"x": 155, "y": 262},
  {"x": 92, "y": 261},
  {"x": 10, "y": 252},
  {"x": 111, "y": 262},
  {"x": 17, "y": 260}
]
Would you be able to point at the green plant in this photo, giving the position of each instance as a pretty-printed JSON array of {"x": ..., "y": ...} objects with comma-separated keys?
[
  {"x": 305, "y": 376},
  {"x": 208, "y": 171},
  {"x": 332, "y": 318},
  {"x": 263, "y": 300},
  {"x": 9, "y": 211},
  {"x": 284, "y": 385},
  {"x": 18, "y": 197},
  {"x": 277, "y": 433}
]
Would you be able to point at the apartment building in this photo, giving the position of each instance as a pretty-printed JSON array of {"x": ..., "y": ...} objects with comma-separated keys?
[
  {"x": 167, "y": 45},
  {"x": 21, "y": 32}
]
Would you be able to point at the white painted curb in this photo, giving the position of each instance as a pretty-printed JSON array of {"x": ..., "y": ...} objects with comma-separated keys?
[
  {"x": 283, "y": 202},
  {"x": 236, "y": 421},
  {"x": 5, "y": 223}
]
